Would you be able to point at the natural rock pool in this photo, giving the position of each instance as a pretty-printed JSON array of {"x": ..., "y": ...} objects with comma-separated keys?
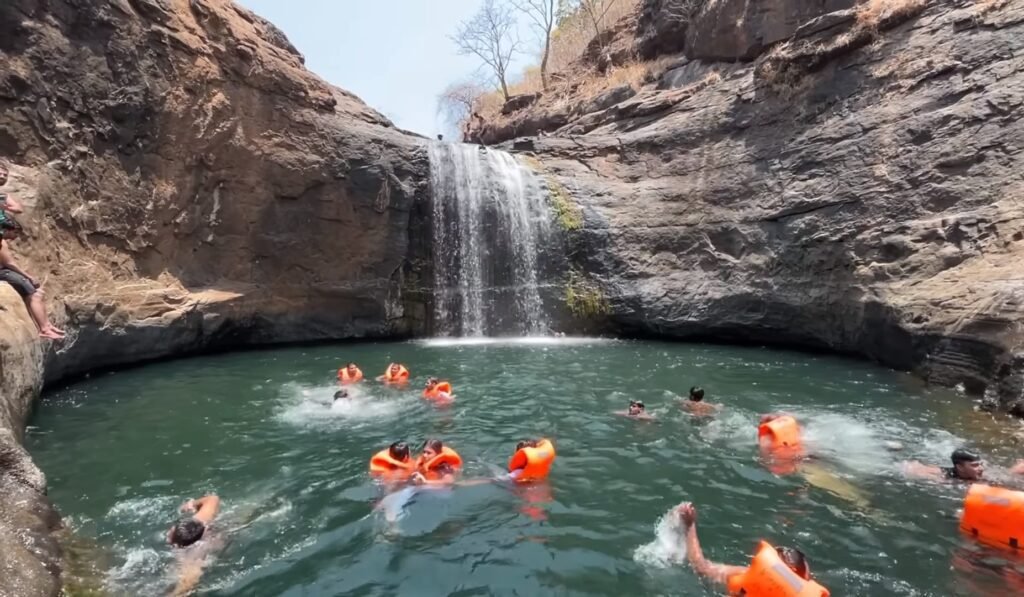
[{"x": 123, "y": 450}]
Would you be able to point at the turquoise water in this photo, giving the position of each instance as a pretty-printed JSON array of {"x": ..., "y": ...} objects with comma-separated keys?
[{"x": 123, "y": 450}]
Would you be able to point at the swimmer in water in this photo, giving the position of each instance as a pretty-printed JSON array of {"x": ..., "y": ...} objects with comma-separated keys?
[
  {"x": 696, "y": 404},
  {"x": 193, "y": 537},
  {"x": 340, "y": 395},
  {"x": 967, "y": 466},
  {"x": 432, "y": 389},
  {"x": 350, "y": 374},
  {"x": 735, "y": 577},
  {"x": 636, "y": 410},
  {"x": 395, "y": 374}
]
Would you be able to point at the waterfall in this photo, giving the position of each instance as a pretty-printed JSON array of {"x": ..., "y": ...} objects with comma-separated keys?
[{"x": 491, "y": 225}]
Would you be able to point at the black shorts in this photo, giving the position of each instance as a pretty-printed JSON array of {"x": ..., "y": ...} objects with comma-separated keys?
[{"x": 18, "y": 281}]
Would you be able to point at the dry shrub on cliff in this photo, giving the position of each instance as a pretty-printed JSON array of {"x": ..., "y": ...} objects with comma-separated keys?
[
  {"x": 986, "y": 6},
  {"x": 871, "y": 12}
]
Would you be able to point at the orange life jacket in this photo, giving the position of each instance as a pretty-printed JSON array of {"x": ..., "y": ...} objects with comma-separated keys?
[
  {"x": 769, "y": 576},
  {"x": 447, "y": 456},
  {"x": 994, "y": 516},
  {"x": 780, "y": 433},
  {"x": 535, "y": 462},
  {"x": 383, "y": 464},
  {"x": 437, "y": 390},
  {"x": 345, "y": 377},
  {"x": 401, "y": 377}
]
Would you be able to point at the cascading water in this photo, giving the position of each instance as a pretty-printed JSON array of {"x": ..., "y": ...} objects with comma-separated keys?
[{"x": 491, "y": 224}]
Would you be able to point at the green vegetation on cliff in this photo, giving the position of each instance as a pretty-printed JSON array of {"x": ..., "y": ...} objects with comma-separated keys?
[{"x": 584, "y": 298}]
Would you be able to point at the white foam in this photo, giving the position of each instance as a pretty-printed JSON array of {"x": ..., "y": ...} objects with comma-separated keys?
[
  {"x": 669, "y": 545},
  {"x": 144, "y": 509},
  {"x": 513, "y": 341},
  {"x": 315, "y": 406}
]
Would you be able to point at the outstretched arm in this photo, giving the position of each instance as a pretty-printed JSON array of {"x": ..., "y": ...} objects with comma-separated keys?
[
  {"x": 717, "y": 572},
  {"x": 11, "y": 204},
  {"x": 205, "y": 508},
  {"x": 920, "y": 470}
]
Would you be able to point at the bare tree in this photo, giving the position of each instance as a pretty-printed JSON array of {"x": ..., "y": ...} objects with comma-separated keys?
[
  {"x": 490, "y": 35},
  {"x": 457, "y": 101},
  {"x": 543, "y": 14},
  {"x": 596, "y": 10}
]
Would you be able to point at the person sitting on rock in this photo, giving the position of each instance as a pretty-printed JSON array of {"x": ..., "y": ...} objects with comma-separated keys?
[{"x": 23, "y": 283}]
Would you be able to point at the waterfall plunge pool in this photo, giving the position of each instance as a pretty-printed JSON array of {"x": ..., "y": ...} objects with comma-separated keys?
[{"x": 123, "y": 450}]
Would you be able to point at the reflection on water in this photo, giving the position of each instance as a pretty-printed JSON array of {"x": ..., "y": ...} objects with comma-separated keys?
[{"x": 262, "y": 430}]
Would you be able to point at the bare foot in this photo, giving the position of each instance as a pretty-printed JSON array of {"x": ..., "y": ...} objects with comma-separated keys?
[{"x": 50, "y": 334}]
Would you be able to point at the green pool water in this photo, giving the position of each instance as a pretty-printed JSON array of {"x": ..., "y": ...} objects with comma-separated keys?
[{"x": 123, "y": 450}]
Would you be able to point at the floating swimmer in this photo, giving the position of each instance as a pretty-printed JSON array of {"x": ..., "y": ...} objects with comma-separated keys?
[
  {"x": 341, "y": 395},
  {"x": 774, "y": 571},
  {"x": 395, "y": 374},
  {"x": 350, "y": 374},
  {"x": 780, "y": 439},
  {"x": 967, "y": 466},
  {"x": 636, "y": 410},
  {"x": 696, "y": 404},
  {"x": 393, "y": 463},
  {"x": 437, "y": 464},
  {"x": 438, "y": 390},
  {"x": 531, "y": 461}
]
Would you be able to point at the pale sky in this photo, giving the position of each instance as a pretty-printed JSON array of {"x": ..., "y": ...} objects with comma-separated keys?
[{"x": 394, "y": 54}]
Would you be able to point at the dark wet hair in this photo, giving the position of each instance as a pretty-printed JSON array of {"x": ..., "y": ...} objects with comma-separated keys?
[
  {"x": 963, "y": 455},
  {"x": 187, "y": 532},
  {"x": 638, "y": 403},
  {"x": 526, "y": 443},
  {"x": 444, "y": 469},
  {"x": 399, "y": 450},
  {"x": 433, "y": 444},
  {"x": 350, "y": 365},
  {"x": 696, "y": 393},
  {"x": 795, "y": 559},
  {"x": 433, "y": 381},
  {"x": 341, "y": 394}
]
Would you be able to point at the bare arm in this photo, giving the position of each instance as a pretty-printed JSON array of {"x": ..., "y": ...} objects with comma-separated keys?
[
  {"x": 719, "y": 573},
  {"x": 1018, "y": 469},
  {"x": 919, "y": 470},
  {"x": 207, "y": 508},
  {"x": 12, "y": 205}
]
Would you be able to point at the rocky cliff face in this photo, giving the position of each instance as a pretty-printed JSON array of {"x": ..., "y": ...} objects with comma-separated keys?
[
  {"x": 189, "y": 186},
  {"x": 855, "y": 186}
]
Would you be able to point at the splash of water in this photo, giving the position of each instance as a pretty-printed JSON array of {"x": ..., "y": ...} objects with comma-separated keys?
[
  {"x": 490, "y": 223},
  {"x": 669, "y": 545}
]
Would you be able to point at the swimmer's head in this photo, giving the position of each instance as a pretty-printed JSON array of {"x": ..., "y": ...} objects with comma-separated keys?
[
  {"x": 526, "y": 443},
  {"x": 395, "y": 368},
  {"x": 399, "y": 451},
  {"x": 432, "y": 381},
  {"x": 635, "y": 407},
  {"x": 967, "y": 465},
  {"x": 341, "y": 394},
  {"x": 431, "y": 448},
  {"x": 351, "y": 367},
  {"x": 186, "y": 532},
  {"x": 795, "y": 559},
  {"x": 696, "y": 394}
]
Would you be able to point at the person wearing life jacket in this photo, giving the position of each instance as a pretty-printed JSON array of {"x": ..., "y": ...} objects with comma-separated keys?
[
  {"x": 531, "y": 461},
  {"x": 350, "y": 374},
  {"x": 437, "y": 464},
  {"x": 773, "y": 572},
  {"x": 395, "y": 374},
  {"x": 437, "y": 389},
  {"x": 394, "y": 462}
]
